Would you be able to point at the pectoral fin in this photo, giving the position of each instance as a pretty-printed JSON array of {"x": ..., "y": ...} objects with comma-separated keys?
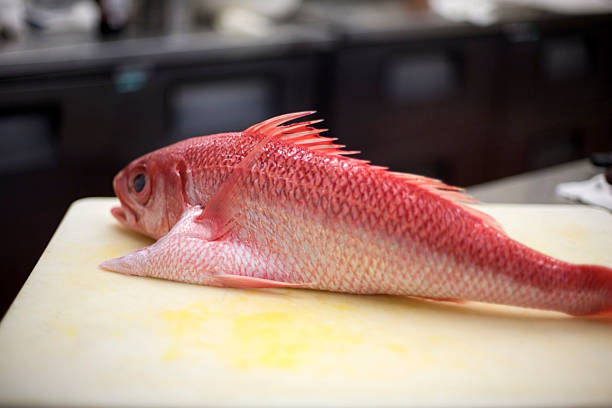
[{"x": 225, "y": 202}]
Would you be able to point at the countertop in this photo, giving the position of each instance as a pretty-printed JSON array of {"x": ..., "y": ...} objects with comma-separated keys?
[{"x": 535, "y": 187}]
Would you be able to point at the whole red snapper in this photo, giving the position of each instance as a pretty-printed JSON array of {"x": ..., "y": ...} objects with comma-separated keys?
[{"x": 281, "y": 206}]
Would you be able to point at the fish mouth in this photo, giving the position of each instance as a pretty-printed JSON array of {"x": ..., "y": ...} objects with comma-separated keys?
[
  {"x": 120, "y": 214},
  {"x": 125, "y": 215}
]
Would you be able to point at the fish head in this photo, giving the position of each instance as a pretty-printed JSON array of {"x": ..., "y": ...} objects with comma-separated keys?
[{"x": 151, "y": 192}]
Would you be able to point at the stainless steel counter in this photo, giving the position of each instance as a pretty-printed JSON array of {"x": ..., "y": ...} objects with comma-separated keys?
[{"x": 533, "y": 187}]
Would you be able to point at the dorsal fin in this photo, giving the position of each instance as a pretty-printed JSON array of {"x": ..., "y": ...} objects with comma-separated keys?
[
  {"x": 452, "y": 193},
  {"x": 222, "y": 205},
  {"x": 486, "y": 218},
  {"x": 302, "y": 134},
  {"x": 308, "y": 137}
]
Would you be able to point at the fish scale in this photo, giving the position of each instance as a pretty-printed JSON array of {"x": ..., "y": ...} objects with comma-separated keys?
[{"x": 280, "y": 206}]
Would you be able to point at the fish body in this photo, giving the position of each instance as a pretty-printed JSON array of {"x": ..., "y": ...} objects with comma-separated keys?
[{"x": 280, "y": 206}]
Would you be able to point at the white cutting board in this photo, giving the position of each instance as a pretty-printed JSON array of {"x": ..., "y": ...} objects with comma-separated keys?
[{"x": 77, "y": 335}]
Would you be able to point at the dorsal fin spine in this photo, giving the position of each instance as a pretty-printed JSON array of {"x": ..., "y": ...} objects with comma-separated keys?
[
  {"x": 277, "y": 120},
  {"x": 311, "y": 132},
  {"x": 296, "y": 126},
  {"x": 311, "y": 140}
]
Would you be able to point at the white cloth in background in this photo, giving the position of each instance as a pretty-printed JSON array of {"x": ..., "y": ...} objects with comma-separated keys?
[
  {"x": 12, "y": 18},
  {"x": 485, "y": 12},
  {"x": 481, "y": 12},
  {"x": 595, "y": 191},
  {"x": 566, "y": 6}
]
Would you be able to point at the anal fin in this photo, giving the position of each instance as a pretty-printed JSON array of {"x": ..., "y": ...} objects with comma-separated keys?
[
  {"x": 238, "y": 281},
  {"x": 453, "y": 300}
]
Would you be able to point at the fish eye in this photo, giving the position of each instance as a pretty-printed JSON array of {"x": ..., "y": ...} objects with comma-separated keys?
[{"x": 139, "y": 182}]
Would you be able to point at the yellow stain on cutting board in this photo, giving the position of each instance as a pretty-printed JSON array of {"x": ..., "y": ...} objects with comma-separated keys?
[
  {"x": 184, "y": 326},
  {"x": 574, "y": 232},
  {"x": 185, "y": 320},
  {"x": 283, "y": 339},
  {"x": 70, "y": 331},
  {"x": 268, "y": 338},
  {"x": 293, "y": 330}
]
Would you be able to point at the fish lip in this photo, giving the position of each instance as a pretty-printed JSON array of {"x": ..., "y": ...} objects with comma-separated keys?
[
  {"x": 120, "y": 214},
  {"x": 124, "y": 213}
]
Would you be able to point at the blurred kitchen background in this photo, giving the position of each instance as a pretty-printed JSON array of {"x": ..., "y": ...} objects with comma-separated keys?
[{"x": 468, "y": 91}]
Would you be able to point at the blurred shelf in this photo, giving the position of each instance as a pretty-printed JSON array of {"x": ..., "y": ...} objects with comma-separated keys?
[
  {"x": 74, "y": 51},
  {"x": 361, "y": 22}
]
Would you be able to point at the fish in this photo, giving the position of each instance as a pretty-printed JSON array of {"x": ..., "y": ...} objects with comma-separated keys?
[{"x": 278, "y": 205}]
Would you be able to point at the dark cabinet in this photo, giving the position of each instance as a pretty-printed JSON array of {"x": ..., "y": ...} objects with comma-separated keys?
[
  {"x": 420, "y": 107},
  {"x": 555, "y": 99}
]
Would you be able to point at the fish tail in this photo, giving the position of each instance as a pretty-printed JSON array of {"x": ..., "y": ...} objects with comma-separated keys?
[{"x": 600, "y": 285}]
